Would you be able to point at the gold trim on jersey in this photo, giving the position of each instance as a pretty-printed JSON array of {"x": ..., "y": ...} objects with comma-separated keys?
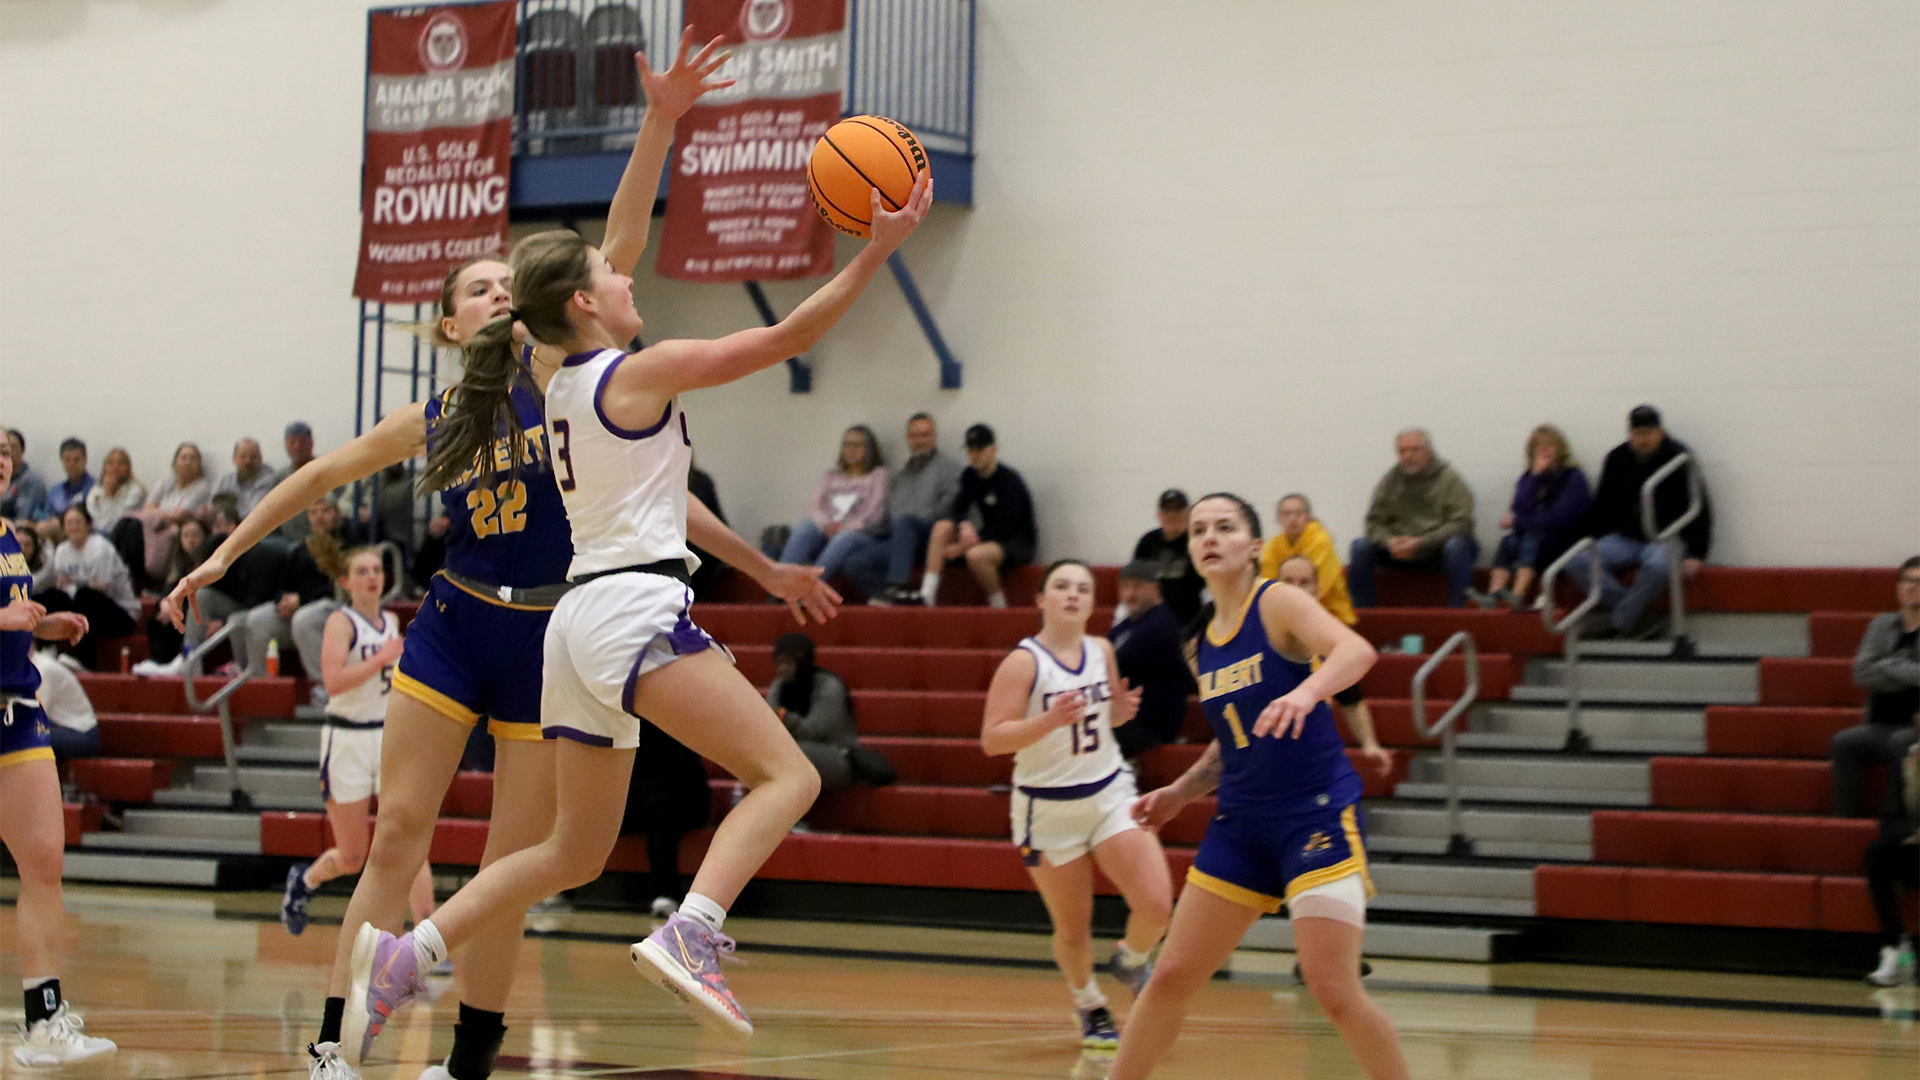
[
  {"x": 1238, "y": 894},
  {"x": 494, "y": 600},
  {"x": 502, "y": 729},
  {"x": 1353, "y": 864},
  {"x": 434, "y": 699},
  {"x": 21, "y": 757},
  {"x": 1239, "y": 620}
]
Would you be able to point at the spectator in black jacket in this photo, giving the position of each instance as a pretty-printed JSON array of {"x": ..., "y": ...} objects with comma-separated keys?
[
  {"x": 1006, "y": 537},
  {"x": 298, "y": 615},
  {"x": 1887, "y": 667},
  {"x": 1624, "y": 543},
  {"x": 252, "y": 580},
  {"x": 1147, "y": 645},
  {"x": 1166, "y": 547},
  {"x": 707, "y": 578}
]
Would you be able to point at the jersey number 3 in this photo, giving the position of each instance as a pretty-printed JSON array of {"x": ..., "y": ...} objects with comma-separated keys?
[{"x": 500, "y": 510}]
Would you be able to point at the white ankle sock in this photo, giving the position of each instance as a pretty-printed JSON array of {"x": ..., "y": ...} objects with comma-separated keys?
[
  {"x": 998, "y": 599},
  {"x": 1089, "y": 997},
  {"x": 1130, "y": 958},
  {"x": 428, "y": 947},
  {"x": 929, "y": 585},
  {"x": 706, "y": 911}
]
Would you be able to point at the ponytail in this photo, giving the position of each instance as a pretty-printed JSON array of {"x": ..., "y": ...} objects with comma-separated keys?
[
  {"x": 327, "y": 554},
  {"x": 548, "y": 268},
  {"x": 477, "y": 411}
]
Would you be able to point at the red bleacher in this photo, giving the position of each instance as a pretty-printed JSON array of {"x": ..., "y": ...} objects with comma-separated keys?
[{"x": 1735, "y": 838}]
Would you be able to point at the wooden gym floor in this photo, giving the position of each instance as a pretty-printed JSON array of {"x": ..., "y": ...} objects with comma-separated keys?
[{"x": 207, "y": 985}]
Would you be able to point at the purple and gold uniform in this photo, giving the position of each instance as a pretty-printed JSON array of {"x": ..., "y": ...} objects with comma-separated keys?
[
  {"x": 24, "y": 732},
  {"x": 1289, "y": 813},
  {"x": 476, "y": 647}
]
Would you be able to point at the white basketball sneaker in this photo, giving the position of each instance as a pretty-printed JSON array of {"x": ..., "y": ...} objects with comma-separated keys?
[
  {"x": 57, "y": 1040},
  {"x": 1896, "y": 966},
  {"x": 325, "y": 1063}
]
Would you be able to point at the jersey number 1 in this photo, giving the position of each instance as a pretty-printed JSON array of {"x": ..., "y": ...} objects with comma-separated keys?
[{"x": 1232, "y": 717}]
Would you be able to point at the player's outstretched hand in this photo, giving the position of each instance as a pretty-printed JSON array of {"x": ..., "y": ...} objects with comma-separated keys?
[
  {"x": 1156, "y": 808},
  {"x": 804, "y": 589},
  {"x": 22, "y": 614},
  {"x": 186, "y": 595},
  {"x": 892, "y": 227},
  {"x": 674, "y": 90},
  {"x": 1285, "y": 716}
]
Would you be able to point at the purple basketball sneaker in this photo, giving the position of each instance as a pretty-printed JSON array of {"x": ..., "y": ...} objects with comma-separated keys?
[
  {"x": 683, "y": 957},
  {"x": 385, "y": 978}
]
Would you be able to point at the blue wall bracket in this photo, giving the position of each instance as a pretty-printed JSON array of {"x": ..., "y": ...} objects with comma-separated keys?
[
  {"x": 799, "y": 372},
  {"x": 949, "y": 367}
]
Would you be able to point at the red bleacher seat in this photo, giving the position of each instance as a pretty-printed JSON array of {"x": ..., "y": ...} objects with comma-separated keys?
[
  {"x": 1836, "y": 633},
  {"x": 160, "y": 735},
  {"x": 1804, "y": 787},
  {"x": 1704, "y": 898},
  {"x": 121, "y": 780},
  {"x": 913, "y": 810},
  {"x": 469, "y": 796},
  {"x": 1392, "y": 676},
  {"x": 270, "y": 697},
  {"x": 1732, "y": 841},
  {"x": 1517, "y": 632},
  {"x": 1580, "y": 892},
  {"x": 867, "y": 668},
  {"x": 949, "y": 714},
  {"x": 951, "y": 762},
  {"x": 1775, "y": 731},
  {"x": 1791, "y": 588},
  {"x": 1808, "y": 680}
]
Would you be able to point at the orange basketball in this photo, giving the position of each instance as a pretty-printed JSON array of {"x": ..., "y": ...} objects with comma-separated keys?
[{"x": 855, "y": 157}]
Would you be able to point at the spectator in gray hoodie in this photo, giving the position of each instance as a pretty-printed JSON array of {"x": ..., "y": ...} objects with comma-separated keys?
[
  {"x": 1421, "y": 518},
  {"x": 1887, "y": 667}
]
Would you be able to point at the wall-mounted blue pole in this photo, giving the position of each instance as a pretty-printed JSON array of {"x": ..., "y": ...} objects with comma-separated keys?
[
  {"x": 949, "y": 367},
  {"x": 799, "y": 372}
]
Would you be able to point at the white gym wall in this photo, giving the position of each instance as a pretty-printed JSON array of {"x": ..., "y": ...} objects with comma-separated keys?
[{"x": 1235, "y": 245}]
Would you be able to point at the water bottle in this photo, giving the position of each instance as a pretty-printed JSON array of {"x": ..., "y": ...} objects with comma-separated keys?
[
  {"x": 273, "y": 657},
  {"x": 126, "y": 660}
]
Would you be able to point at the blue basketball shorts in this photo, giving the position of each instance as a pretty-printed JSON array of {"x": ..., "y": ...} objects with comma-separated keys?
[
  {"x": 25, "y": 733},
  {"x": 468, "y": 657},
  {"x": 1263, "y": 863}
]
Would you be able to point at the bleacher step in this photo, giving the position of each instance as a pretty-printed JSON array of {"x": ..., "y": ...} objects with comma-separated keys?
[
  {"x": 1721, "y": 635},
  {"x": 284, "y": 734},
  {"x": 1470, "y": 944},
  {"x": 220, "y": 799},
  {"x": 1453, "y": 879},
  {"x": 1528, "y": 795},
  {"x": 1613, "y": 730},
  {"x": 143, "y": 844},
  {"x": 1492, "y": 849},
  {"x": 197, "y": 824},
  {"x": 1576, "y": 775},
  {"x": 1486, "y": 906},
  {"x": 141, "y": 869},
  {"x": 1558, "y": 829},
  {"x": 278, "y": 755},
  {"x": 1667, "y": 676},
  {"x": 1592, "y": 695}
]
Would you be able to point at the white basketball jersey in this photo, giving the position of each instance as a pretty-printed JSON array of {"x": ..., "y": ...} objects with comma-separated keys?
[
  {"x": 625, "y": 490},
  {"x": 1083, "y": 751},
  {"x": 366, "y": 703}
]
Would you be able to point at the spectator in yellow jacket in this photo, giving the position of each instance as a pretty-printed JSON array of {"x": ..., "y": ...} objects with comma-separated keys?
[{"x": 1303, "y": 535}]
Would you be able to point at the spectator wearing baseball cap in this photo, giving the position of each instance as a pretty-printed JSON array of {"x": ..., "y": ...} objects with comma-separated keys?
[
  {"x": 1006, "y": 536},
  {"x": 1622, "y": 540},
  {"x": 1147, "y": 645},
  {"x": 1166, "y": 548},
  {"x": 1301, "y": 535}
]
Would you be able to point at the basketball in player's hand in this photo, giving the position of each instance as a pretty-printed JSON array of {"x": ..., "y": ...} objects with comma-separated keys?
[{"x": 855, "y": 157}]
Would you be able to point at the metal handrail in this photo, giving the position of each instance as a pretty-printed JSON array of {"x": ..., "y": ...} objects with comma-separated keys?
[
  {"x": 1457, "y": 842},
  {"x": 1570, "y": 625},
  {"x": 219, "y": 702},
  {"x": 1669, "y": 538}
]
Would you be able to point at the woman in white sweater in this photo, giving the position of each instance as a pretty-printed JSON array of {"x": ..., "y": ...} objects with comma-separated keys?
[{"x": 90, "y": 578}]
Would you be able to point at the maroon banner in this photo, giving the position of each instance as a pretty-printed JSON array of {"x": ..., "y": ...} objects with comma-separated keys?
[
  {"x": 737, "y": 202},
  {"x": 439, "y": 146}
]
